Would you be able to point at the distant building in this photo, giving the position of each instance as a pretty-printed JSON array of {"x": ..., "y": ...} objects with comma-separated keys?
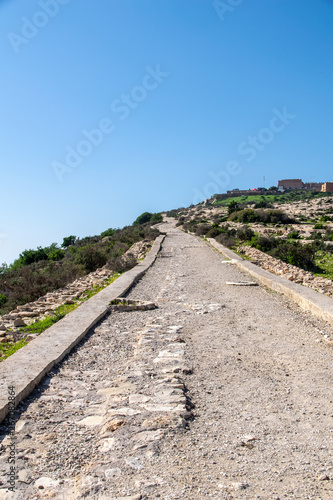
[
  {"x": 327, "y": 187},
  {"x": 290, "y": 184},
  {"x": 314, "y": 186}
]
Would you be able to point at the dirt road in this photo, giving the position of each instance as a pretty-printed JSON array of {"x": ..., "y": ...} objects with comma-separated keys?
[{"x": 221, "y": 392}]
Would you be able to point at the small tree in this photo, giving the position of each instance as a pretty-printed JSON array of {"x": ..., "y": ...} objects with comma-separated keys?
[
  {"x": 233, "y": 207},
  {"x": 68, "y": 241}
]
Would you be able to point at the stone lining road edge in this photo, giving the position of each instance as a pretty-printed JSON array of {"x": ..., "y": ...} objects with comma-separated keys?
[{"x": 26, "y": 368}]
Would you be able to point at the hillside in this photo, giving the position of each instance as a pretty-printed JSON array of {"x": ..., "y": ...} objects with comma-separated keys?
[
  {"x": 289, "y": 234},
  {"x": 43, "y": 285}
]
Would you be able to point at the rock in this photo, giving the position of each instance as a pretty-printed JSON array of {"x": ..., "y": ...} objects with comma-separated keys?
[
  {"x": 91, "y": 421},
  {"x": 111, "y": 473},
  {"x": 323, "y": 477},
  {"x": 112, "y": 425},
  {"x": 138, "y": 398},
  {"x": 24, "y": 476},
  {"x": 133, "y": 463},
  {"x": 124, "y": 411},
  {"x": 147, "y": 436},
  {"x": 19, "y": 425},
  {"x": 46, "y": 482},
  {"x": 108, "y": 444},
  {"x": 19, "y": 322}
]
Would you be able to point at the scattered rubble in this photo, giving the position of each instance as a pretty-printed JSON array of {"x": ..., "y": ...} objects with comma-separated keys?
[
  {"x": 291, "y": 273},
  {"x": 31, "y": 312}
]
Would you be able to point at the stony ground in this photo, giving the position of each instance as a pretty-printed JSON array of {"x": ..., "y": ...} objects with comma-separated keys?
[{"x": 221, "y": 392}]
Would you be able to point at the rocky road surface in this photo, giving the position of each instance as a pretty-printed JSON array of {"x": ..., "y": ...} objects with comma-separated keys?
[{"x": 221, "y": 392}]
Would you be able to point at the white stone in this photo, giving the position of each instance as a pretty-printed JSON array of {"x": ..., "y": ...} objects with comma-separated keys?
[
  {"x": 92, "y": 421},
  {"x": 138, "y": 398},
  {"x": 46, "y": 482},
  {"x": 124, "y": 411},
  {"x": 133, "y": 462},
  {"x": 108, "y": 444},
  {"x": 19, "y": 425},
  {"x": 110, "y": 473}
]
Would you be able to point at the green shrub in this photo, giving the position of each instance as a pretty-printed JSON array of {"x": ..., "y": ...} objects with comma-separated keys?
[
  {"x": 291, "y": 252},
  {"x": 108, "y": 232},
  {"x": 172, "y": 213},
  {"x": 202, "y": 229},
  {"x": 294, "y": 235},
  {"x": 302, "y": 256},
  {"x": 68, "y": 241},
  {"x": 233, "y": 207},
  {"x": 262, "y": 204},
  {"x": 148, "y": 217},
  {"x": 226, "y": 239},
  {"x": 245, "y": 233},
  {"x": 3, "y": 299},
  {"x": 325, "y": 218},
  {"x": 91, "y": 257},
  {"x": 213, "y": 232},
  {"x": 264, "y": 216},
  {"x": 122, "y": 264}
]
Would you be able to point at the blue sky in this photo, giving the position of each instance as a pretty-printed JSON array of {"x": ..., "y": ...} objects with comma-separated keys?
[{"x": 190, "y": 97}]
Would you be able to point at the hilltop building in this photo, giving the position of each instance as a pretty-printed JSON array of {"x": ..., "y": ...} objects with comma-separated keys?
[
  {"x": 290, "y": 184},
  {"x": 314, "y": 186},
  {"x": 299, "y": 184},
  {"x": 327, "y": 187}
]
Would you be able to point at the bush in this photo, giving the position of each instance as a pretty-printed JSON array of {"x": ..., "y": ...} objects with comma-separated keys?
[
  {"x": 37, "y": 272},
  {"x": 91, "y": 257},
  {"x": 226, "y": 239},
  {"x": 291, "y": 252},
  {"x": 3, "y": 299},
  {"x": 202, "y": 229},
  {"x": 262, "y": 204},
  {"x": 233, "y": 207},
  {"x": 302, "y": 256},
  {"x": 172, "y": 213},
  {"x": 122, "y": 264},
  {"x": 148, "y": 217},
  {"x": 264, "y": 243},
  {"x": 294, "y": 235},
  {"x": 213, "y": 232},
  {"x": 68, "y": 241},
  {"x": 108, "y": 232},
  {"x": 263, "y": 216},
  {"x": 244, "y": 233}
]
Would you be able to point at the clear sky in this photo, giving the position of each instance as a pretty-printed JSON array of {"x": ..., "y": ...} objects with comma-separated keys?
[{"x": 110, "y": 108}]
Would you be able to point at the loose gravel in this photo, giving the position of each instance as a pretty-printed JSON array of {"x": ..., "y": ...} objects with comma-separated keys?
[{"x": 221, "y": 392}]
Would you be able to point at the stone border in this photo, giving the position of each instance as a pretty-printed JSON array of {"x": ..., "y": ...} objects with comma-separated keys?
[
  {"x": 26, "y": 368},
  {"x": 309, "y": 300}
]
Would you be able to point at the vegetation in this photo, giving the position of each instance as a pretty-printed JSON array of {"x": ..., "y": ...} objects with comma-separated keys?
[
  {"x": 291, "y": 252},
  {"x": 233, "y": 207},
  {"x": 263, "y": 216},
  {"x": 7, "y": 349},
  {"x": 287, "y": 197},
  {"x": 61, "y": 311},
  {"x": 148, "y": 217},
  {"x": 37, "y": 272}
]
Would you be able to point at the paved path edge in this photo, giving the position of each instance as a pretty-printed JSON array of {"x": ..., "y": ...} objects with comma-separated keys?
[
  {"x": 26, "y": 368},
  {"x": 309, "y": 300}
]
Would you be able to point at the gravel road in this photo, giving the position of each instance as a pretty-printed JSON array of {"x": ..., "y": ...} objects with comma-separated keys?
[{"x": 221, "y": 392}]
